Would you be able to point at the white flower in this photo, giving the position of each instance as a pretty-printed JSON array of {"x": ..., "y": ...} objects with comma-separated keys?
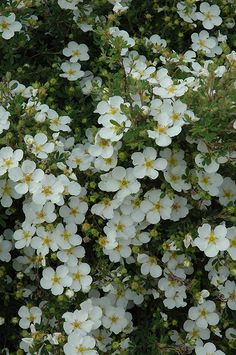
[
  {"x": 209, "y": 15},
  {"x": 23, "y": 236},
  {"x": 78, "y": 345},
  {"x": 65, "y": 236},
  {"x": 29, "y": 316},
  {"x": 227, "y": 191},
  {"x": 69, "y": 4},
  {"x": 121, "y": 226},
  {"x": 72, "y": 188},
  {"x": 212, "y": 167},
  {"x": 5, "y": 247},
  {"x": 77, "y": 322},
  {"x": 208, "y": 349},
  {"x": 94, "y": 312},
  {"x": 43, "y": 241},
  {"x": 9, "y": 25},
  {"x": 48, "y": 189},
  {"x": 56, "y": 280},
  {"x": 70, "y": 256},
  {"x": 149, "y": 265},
  {"x": 76, "y": 52},
  {"x": 80, "y": 158},
  {"x": 164, "y": 131},
  {"x": 146, "y": 163},
  {"x": 187, "y": 13},
  {"x": 212, "y": 241},
  {"x": 174, "y": 177},
  {"x": 203, "y": 41},
  {"x": 156, "y": 41},
  {"x": 229, "y": 293},
  {"x": 194, "y": 332},
  {"x": 114, "y": 319},
  {"x": 110, "y": 107},
  {"x": 168, "y": 89},
  {"x": 81, "y": 280},
  {"x": 204, "y": 314},
  {"x": 37, "y": 214},
  {"x": 58, "y": 123},
  {"x": 115, "y": 128},
  {"x": 129, "y": 42},
  {"x": 176, "y": 300},
  {"x": 9, "y": 158},
  {"x": 102, "y": 339},
  {"x": 156, "y": 207},
  {"x": 4, "y": 116},
  {"x": 120, "y": 249},
  {"x": 209, "y": 182},
  {"x": 179, "y": 208},
  {"x": 131, "y": 206},
  {"x": 39, "y": 145},
  {"x": 102, "y": 147},
  {"x": 231, "y": 235},
  {"x": 105, "y": 208},
  {"x": 75, "y": 211},
  {"x": 121, "y": 180},
  {"x": 26, "y": 174},
  {"x": 71, "y": 71},
  {"x": 7, "y": 192}
]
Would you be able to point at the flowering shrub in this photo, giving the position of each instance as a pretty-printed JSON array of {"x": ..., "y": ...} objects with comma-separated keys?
[{"x": 117, "y": 177}]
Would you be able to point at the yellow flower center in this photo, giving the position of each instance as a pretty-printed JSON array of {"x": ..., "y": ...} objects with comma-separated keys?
[
  {"x": 175, "y": 116},
  {"x": 71, "y": 72},
  {"x": 205, "y": 180},
  {"x": 171, "y": 89},
  {"x": 47, "y": 190},
  {"x": 152, "y": 260},
  {"x": 76, "y": 53},
  {"x": 26, "y": 235},
  {"x": 103, "y": 143},
  {"x": 123, "y": 183},
  {"x": 113, "y": 110},
  {"x": 148, "y": 164},
  {"x": 31, "y": 318},
  {"x": 209, "y": 15},
  {"x": 40, "y": 214},
  {"x": 81, "y": 349},
  {"x": 55, "y": 121},
  {"x": 201, "y": 43},
  {"x": 27, "y": 178},
  {"x": 77, "y": 276},
  {"x": 66, "y": 235},
  {"x": 76, "y": 324},
  {"x": 233, "y": 242},
  {"x": 56, "y": 279},
  {"x": 212, "y": 238},
  {"x": 119, "y": 227},
  {"x": 157, "y": 206},
  {"x": 73, "y": 211},
  {"x": 4, "y": 26},
  {"x": 6, "y": 190},
  {"x": 114, "y": 318},
  {"x": 203, "y": 313},
  {"x": 46, "y": 241},
  {"x": 7, "y": 163}
]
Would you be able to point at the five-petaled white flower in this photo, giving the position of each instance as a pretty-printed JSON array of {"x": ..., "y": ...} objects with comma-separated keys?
[
  {"x": 29, "y": 316},
  {"x": 9, "y": 25},
  {"x": 147, "y": 164},
  {"x": 212, "y": 241},
  {"x": 56, "y": 280},
  {"x": 209, "y": 15}
]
